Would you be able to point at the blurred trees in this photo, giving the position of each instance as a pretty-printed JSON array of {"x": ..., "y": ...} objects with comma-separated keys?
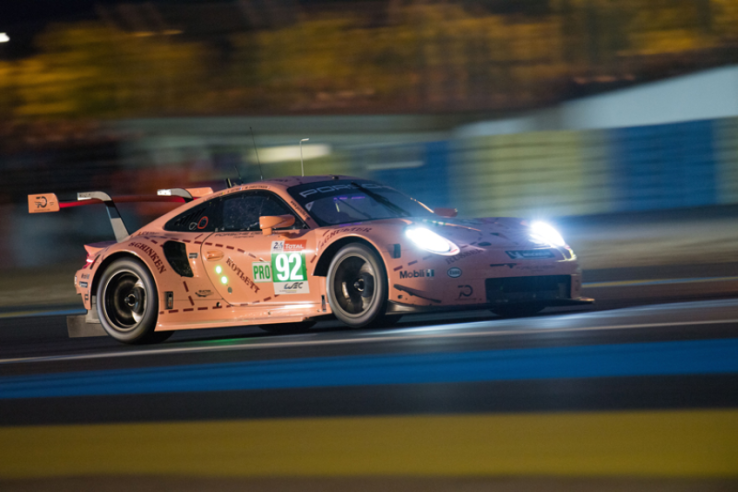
[
  {"x": 433, "y": 56},
  {"x": 89, "y": 70}
]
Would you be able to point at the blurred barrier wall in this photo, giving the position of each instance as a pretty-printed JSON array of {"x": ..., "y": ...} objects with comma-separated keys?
[
  {"x": 554, "y": 173},
  {"x": 534, "y": 174}
]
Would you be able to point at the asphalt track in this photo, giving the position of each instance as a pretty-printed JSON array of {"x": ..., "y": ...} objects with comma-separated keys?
[{"x": 639, "y": 392}]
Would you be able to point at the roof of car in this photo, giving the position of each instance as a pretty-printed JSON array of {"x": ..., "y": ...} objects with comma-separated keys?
[{"x": 290, "y": 181}]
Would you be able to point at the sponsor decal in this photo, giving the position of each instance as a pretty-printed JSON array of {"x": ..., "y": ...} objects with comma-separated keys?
[
  {"x": 262, "y": 271},
  {"x": 192, "y": 256},
  {"x": 536, "y": 268},
  {"x": 288, "y": 271},
  {"x": 417, "y": 273},
  {"x": 454, "y": 272},
  {"x": 41, "y": 202},
  {"x": 85, "y": 276},
  {"x": 329, "y": 189},
  {"x": 204, "y": 293},
  {"x": 291, "y": 288},
  {"x": 465, "y": 291},
  {"x": 203, "y": 223},
  {"x": 530, "y": 254},
  {"x": 83, "y": 285},
  {"x": 342, "y": 230},
  {"x": 463, "y": 255},
  {"x": 244, "y": 278},
  {"x": 509, "y": 265},
  {"x": 158, "y": 263}
]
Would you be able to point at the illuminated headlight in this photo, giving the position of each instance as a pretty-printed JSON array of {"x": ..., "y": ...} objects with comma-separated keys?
[
  {"x": 432, "y": 242},
  {"x": 542, "y": 232}
]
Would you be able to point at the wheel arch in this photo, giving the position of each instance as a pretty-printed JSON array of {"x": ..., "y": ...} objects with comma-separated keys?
[
  {"x": 116, "y": 256},
  {"x": 321, "y": 267}
]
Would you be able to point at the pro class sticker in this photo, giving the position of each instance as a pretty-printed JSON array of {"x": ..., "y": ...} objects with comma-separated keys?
[
  {"x": 288, "y": 267},
  {"x": 262, "y": 271}
]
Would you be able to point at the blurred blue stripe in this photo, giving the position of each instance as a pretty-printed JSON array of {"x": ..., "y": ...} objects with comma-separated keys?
[
  {"x": 663, "y": 166},
  {"x": 638, "y": 359},
  {"x": 427, "y": 182}
]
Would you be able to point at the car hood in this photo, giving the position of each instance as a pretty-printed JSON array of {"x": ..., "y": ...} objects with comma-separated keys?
[
  {"x": 493, "y": 232},
  {"x": 487, "y": 233}
]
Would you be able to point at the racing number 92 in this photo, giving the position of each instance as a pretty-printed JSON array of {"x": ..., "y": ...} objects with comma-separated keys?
[{"x": 289, "y": 267}]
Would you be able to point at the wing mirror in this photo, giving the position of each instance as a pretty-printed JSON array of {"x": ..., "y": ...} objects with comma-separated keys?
[
  {"x": 269, "y": 222},
  {"x": 446, "y": 212}
]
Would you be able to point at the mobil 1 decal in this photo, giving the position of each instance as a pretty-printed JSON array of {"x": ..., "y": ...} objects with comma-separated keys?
[{"x": 287, "y": 270}]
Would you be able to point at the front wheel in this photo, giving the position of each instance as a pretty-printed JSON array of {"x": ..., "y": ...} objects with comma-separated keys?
[
  {"x": 127, "y": 303},
  {"x": 357, "y": 286}
]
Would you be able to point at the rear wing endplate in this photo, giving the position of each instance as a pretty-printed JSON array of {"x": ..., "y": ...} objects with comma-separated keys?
[{"x": 43, "y": 203}]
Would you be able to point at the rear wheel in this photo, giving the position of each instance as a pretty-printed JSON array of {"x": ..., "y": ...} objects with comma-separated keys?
[
  {"x": 127, "y": 303},
  {"x": 357, "y": 286}
]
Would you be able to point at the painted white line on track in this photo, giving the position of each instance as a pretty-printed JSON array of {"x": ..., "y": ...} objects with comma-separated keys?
[
  {"x": 665, "y": 281},
  {"x": 349, "y": 341}
]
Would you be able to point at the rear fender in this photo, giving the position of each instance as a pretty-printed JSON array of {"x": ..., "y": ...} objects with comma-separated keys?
[{"x": 145, "y": 251}]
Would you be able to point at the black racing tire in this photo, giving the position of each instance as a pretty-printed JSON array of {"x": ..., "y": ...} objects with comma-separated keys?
[
  {"x": 128, "y": 303},
  {"x": 288, "y": 328},
  {"x": 357, "y": 286},
  {"x": 518, "y": 310}
]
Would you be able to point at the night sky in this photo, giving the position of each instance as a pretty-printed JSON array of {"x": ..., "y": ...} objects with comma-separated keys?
[
  {"x": 23, "y": 20},
  {"x": 32, "y": 11}
]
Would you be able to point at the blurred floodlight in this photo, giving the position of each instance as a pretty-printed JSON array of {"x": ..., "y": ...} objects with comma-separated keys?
[
  {"x": 292, "y": 153},
  {"x": 4, "y": 38}
]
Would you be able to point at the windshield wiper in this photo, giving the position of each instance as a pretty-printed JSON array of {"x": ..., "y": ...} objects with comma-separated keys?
[{"x": 384, "y": 201}]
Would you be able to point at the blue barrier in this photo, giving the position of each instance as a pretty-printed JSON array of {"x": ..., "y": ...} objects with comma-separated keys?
[
  {"x": 420, "y": 170},
  {"x": 663, "y": 166}
]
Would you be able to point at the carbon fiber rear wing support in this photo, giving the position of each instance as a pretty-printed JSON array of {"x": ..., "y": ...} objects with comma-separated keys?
[{"x": 119, "y": 228}]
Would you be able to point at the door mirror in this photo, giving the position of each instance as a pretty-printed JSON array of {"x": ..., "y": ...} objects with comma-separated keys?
[
  {"x": 446, "y": 212},
  {"x": 269, "y": 222}
]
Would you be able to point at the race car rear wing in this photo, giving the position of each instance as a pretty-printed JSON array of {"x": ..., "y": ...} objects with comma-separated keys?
[{"x": 48, "y": 202}]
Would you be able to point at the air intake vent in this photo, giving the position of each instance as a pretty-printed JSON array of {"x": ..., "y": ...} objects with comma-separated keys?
[{"x": 176, "y": 255}]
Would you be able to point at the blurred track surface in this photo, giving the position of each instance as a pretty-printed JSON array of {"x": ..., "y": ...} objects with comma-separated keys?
[{"x": 643, "y": 384}]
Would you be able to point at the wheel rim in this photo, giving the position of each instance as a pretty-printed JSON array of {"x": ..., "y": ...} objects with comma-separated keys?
[
  {"x": 354, "y": 285},
  {"x": 125, "y": 300}
]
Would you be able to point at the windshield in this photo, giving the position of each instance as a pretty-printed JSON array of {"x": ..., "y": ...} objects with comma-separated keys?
[{"x": 345, "y": 201}]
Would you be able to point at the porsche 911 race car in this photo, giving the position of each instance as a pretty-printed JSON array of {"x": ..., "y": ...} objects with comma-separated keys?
[{"x": 287, "y": 252}]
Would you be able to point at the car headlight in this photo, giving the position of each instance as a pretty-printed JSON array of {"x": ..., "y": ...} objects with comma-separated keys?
[
  {"x": 540, "y": 231},
  {"x": 432, "y": 242}
]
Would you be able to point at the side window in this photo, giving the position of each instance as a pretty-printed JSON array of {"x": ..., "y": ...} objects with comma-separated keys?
[
  {"x": 242, "y": 212},
  {"x": 203, "y": 218}
]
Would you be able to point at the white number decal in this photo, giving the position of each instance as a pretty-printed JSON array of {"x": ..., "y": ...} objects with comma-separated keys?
[
  {"x": 296, "y": 274},
  {"x": 283, "y": 268}
]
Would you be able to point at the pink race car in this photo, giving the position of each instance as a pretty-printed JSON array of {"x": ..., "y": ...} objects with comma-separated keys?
[{"x": 287, "y": 252}]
